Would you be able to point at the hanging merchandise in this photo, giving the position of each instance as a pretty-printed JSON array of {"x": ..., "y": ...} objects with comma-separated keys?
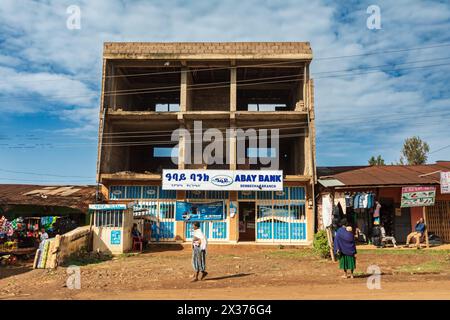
[
  {"x": 327, "y": 208},
  {"x": 47, "y": 222},
  {"x": 6, "y": 228},
  {"x": 376, "y": 213},
  {"x": 356, "y": 201},
  {"x": 363, "y": 200},
  {"x": 370, "y": 200},
  {"x": 17, "y": 224},
  {"x": 339, "y": 199},
  {"x": 376, "y": 221},
  {"x": 348, "y": 200}
]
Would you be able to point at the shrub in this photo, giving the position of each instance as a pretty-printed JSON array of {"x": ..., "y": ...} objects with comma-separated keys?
[{"x": 320, "y": 244}]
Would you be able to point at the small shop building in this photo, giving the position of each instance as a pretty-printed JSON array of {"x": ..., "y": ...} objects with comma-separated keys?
[
  {"x": 356, "y": 190},
  {"x": 18, "y": 200},
  {"x": 26, "y": 209}
]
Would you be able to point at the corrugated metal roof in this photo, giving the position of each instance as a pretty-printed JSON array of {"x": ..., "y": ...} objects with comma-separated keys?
[
  {"x": 330, "y": 182},
  {"x": 78, "y": 197},
  {"x": 388, "y": 175}
]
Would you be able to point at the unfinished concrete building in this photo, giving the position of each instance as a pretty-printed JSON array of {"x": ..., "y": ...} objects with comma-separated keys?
[{"x": 151, "y": 89}]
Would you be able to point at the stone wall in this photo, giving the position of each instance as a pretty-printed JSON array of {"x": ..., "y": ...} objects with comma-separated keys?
[{"x": 63, "y": 246}]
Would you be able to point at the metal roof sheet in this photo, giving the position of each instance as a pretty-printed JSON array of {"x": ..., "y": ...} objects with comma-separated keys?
[
  {"x": 388, "y": 175},
  {"x": 77, "y": 197}
]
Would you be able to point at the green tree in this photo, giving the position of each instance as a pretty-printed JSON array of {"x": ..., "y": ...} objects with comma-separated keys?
[
  {"x": 378, "y": 161},
  {"x": 415, "y": 151}
]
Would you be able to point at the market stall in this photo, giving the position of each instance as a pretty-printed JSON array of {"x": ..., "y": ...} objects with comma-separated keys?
[{"x": 21, "y": 237}]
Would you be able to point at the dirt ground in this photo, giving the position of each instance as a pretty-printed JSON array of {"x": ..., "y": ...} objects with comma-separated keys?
[{"x": 237, "y": 272}]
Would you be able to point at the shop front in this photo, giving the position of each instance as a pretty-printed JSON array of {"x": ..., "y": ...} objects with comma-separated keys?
[
  {"x": 225, "y": 216},
  {"x": 394, "y": 197}
]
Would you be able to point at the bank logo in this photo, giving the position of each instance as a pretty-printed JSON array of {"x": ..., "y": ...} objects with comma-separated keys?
[{"x": 222, "y": 180}]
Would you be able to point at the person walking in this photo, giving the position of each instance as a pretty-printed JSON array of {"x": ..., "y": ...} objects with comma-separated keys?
[
  {"x": 199, "y": 245},
  {"x": 345, "y": 249}
]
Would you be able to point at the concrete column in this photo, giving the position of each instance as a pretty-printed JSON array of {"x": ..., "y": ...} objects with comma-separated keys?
[
  {"x": 309, "y": 214},
  {"x": 232, "y": 147},
  {"x": 233, "y": 89},
  {"x": 180, "y": 225},
  {"x": 181, "y": 149},
  {"x": 305, "y": 86},
  {"x": 183, "y": 90},
  {"x": 234, "y": 222},
  {"x": 307, "y": 155}
]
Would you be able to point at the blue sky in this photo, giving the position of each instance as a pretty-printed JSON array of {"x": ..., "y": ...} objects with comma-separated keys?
[{"x": 50, "y": 75}]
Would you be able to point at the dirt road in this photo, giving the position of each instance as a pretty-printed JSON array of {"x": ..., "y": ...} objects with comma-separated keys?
[{"x": 239, "y": 273}]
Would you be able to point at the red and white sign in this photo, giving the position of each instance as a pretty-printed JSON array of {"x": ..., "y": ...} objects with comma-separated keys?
[
  {"x": 417, "y": 196},
  {"x": 445, "y": 182}
]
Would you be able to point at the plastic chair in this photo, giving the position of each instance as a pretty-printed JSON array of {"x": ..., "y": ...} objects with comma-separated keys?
[{"x": 137, "y": 242}]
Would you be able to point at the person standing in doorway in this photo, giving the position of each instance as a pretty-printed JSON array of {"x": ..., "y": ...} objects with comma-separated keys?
[
  {"x": 199, "y": 244},
  {"x": 345, "y": 249}
]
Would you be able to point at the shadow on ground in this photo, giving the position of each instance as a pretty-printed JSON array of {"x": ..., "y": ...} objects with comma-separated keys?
[
  {"x": 238, "y": 275},
  {"x": 163, "y": 248},
  {"x": 366, "y": 275},
  {"x": 9, "y": 271}
]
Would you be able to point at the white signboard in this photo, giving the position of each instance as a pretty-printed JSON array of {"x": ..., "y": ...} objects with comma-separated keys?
[
  {"x": 445, "y": 182},
  {"x": 223, "y": 180},
  {"x": 116, "y": 206}
]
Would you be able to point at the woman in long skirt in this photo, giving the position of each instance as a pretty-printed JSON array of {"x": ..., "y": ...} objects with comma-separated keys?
[{"x": 345, "y": 249}]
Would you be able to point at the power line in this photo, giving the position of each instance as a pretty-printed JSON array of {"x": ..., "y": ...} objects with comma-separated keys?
[
  {"x": 282, "y": 125},
  {"x": 29, "y": 180},
  {"x": 389, "y": 117},
  {"x": 211, "y": 85},
  {"x": 445, "y": 147},
  {"x": 177, "y": 87},
  {"x": 43, "y": 174},
  {"x": 225, "y": 86},
  {"x": 262, "y": 64},
  {"x": 168, "y": 142}
]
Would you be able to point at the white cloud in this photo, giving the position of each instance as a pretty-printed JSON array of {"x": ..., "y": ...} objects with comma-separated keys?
[{"x": 35, "y": 33}]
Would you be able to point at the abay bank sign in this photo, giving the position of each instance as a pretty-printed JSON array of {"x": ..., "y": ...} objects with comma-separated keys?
[{"x": 250, "y": 180}]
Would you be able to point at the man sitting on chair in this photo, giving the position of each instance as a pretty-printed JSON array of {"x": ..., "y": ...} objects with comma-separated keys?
[
  {"x": 137, "y": 236},
  {"x": 385, "y": 239},
  {"x": 417, "y": 234}
]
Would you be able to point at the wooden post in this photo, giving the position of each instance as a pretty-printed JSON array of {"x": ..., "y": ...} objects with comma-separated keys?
[
  {"x": 330, "y": 243},
  {"x": 90, "y": 245},
  {"x": 426, "y": 226}
]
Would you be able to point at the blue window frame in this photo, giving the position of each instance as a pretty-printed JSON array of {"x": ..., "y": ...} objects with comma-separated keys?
[
  {"x": 117, "y": 192},
  {"x": 297, "y": 193},
  {"x": 167, "y": 194},
  {"x": 134, "y": 192},
  {"x": 244, "y": 195},
  {"x": 281, "y": 195},
  {"x": 150, "y": 192}
]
